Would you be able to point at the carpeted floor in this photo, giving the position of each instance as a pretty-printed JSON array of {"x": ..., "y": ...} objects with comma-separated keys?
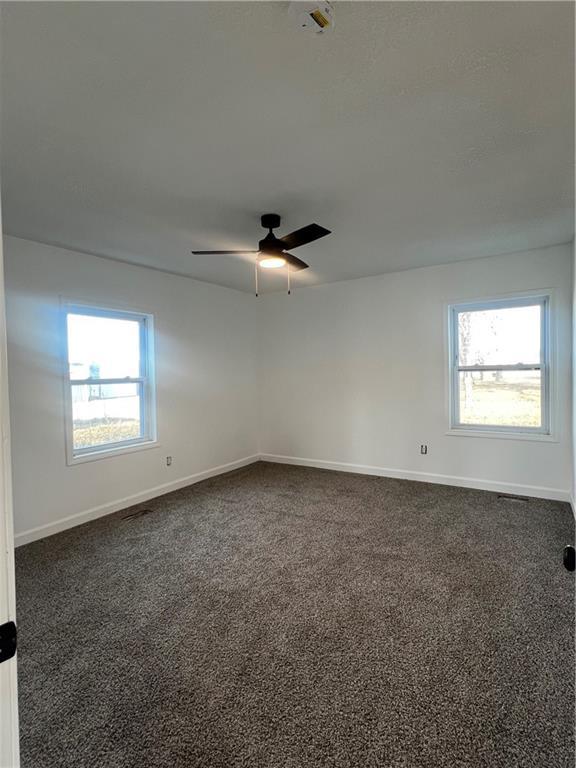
[{"x": 284, "y": 617}]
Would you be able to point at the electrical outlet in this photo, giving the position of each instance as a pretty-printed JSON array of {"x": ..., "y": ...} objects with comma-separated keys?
[
  {"x": 168, "y": 461},
  {"x": 423, "y": 450}
]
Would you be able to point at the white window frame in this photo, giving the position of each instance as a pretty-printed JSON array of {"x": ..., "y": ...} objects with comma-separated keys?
[
  {"x": 145, "y": 382},
  {"x": 545, "y": 365}
]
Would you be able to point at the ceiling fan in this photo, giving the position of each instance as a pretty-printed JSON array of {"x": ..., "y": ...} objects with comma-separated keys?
[{"x": 272, "y": 251}]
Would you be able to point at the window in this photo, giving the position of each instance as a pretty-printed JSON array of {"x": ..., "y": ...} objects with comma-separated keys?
[
  {"x": 500, "y": 367},
  {"x": 109, "y": 387}
]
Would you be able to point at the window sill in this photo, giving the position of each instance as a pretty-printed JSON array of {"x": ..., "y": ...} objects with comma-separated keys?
[
  {"x": 109, "y": 453},
  {"x": 538, "y": 437}
]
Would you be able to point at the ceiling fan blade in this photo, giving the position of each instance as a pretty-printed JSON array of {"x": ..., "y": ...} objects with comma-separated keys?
[
  {"x": 205, "y": 253},
  {"x": 295, "y": 263},
  {"x": 305, "y": 235}
]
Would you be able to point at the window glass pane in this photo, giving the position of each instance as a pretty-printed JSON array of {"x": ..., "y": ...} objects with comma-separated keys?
[
  {"x": 105, "y": 413},
  {"x": 499, "y": 336},
  {"x": 500, "y": 398},
  {"x": 103, "y": 347}
]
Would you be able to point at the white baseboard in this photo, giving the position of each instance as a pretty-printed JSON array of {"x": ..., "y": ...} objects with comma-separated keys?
[
  {"x": 540, "y": 492},
  {"x": 71, "y": 521}
]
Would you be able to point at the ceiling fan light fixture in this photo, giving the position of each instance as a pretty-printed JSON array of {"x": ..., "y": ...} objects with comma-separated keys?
[
  {"x": 272, "y": 262},
  {"x": 272, "y": 251}
]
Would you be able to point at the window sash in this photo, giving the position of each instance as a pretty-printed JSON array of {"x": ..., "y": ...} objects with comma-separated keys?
[
  {"x": 144, "y": 382},
  {"x": 516, "y": 367},
  {"x": 93, "y": 382},
  {"x": 543, "y": 365},
  {"x": 112, "y": 445},
  {"x": 105, "y": 447}
]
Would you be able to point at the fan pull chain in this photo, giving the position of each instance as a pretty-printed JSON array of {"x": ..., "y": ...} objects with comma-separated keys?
[
  {"x": 288, "y": 279},
  {"x": 256, "y": 275}
]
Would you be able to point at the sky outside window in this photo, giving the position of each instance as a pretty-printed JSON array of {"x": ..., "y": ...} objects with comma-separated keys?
[{"x": 103, "y": 347}]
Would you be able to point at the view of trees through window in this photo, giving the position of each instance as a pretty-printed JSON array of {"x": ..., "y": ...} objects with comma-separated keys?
[{"x": 503, "y": 344}]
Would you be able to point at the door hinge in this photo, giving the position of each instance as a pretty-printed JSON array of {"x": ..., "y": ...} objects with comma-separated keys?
[{"x": 8, "y": 641}]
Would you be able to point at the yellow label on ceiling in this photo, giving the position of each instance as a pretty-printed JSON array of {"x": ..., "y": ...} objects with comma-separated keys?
[{"x": 320, "y": 19}]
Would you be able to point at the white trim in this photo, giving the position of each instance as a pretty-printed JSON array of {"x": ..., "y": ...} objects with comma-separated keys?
[
  {"x": 536, "y": 491},
  {"x": 145, "y": 381},
  {"x": 547, "y": 365},
  {"x": 9, "y": 734},
  {"x": 539, "y": 437},
  {"x": 110, "y": 453},
  {"x": 42, "y": 531},
  {"x": 78, "y": 518}
]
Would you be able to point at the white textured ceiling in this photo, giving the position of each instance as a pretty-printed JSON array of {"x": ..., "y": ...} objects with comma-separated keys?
[{"x": 420, "y": 133}]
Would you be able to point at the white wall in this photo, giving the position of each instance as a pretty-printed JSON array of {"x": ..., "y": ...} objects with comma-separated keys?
[
  {"x": 346, "y": 375},
  {"x": 355, "y": 373},
  {"x": 205, "y": 375}
]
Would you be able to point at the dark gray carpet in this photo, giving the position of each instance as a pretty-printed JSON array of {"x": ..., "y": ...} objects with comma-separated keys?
[{"x": 284, "y": 617}]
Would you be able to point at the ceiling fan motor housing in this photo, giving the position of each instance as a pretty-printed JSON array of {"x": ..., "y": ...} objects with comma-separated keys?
[
  {"x": 271, "y": 244},
  {"x": 270, "y": 220}
]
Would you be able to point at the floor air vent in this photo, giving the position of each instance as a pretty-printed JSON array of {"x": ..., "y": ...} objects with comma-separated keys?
[
  {"x": 139, "y": 513},
  {"x": 511, "y": 497}
]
